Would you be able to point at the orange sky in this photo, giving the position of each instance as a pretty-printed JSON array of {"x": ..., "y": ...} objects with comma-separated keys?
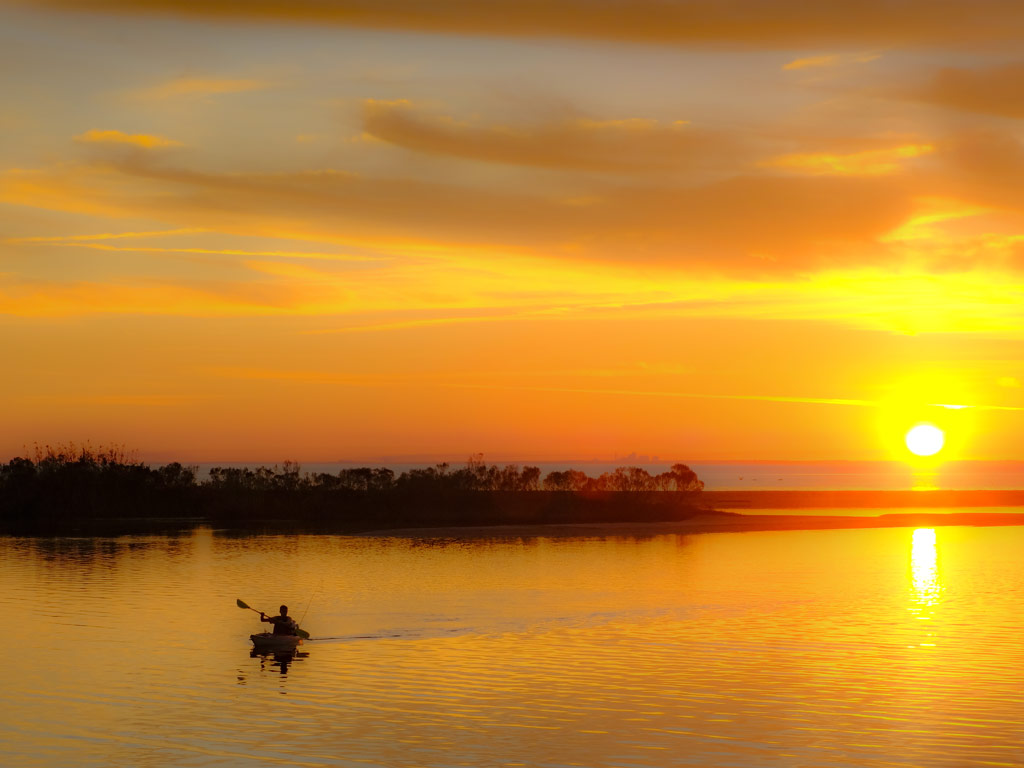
[{"x": 344, "y": 230}]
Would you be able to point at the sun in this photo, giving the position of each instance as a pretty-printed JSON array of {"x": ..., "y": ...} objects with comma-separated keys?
[{"x": 925, "y": 440}]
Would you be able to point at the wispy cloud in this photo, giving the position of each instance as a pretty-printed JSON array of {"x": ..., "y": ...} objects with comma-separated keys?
[
  {"x": 753, "y": 23},
  {"x": 830, "y": 60},
  {"x": 756, "y": 398},
  {"x": 628, "y": 145},
  {"x": 875, "y": 162},
  {"x": 423, "y": 322},
  {"x": 997, "y": 90},
  {"x": 57, "y": 298},
  {"x": 318, "y": 255},
  {"x": 754, "y": 224},
  {"x": 144, "y": 140},
  {"x": 102, "y": 236}
]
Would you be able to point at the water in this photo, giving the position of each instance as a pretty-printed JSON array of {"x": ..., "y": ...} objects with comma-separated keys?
[{"x": 884, "y": 647}]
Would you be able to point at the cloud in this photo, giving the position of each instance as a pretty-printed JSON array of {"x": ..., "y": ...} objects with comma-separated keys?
[
  {"x": 102, "y": 236},
  {"x": 812, "y": 61},
  {"x": 993, "y": 91},
  {"x": 984, "y": 167},
  {"x": 403, "y": 325},
  {"x": 54, "y": 298},
  {"x": 609, "y": 145},
  {"x": 200, "y": 86},
  {"x": 751, "y": 224},
  {"x": 144, "y": 140},
  {"x": 97, "y": 242},
  {"x": 312, "y": 255},
  {"x": 716, "y": 396},
  {"x": 754, "y": 23},
  {"x": 1009, "y": 382},
  {"x": 830, "y": 60},
  {"x": 873, "y": 162}
]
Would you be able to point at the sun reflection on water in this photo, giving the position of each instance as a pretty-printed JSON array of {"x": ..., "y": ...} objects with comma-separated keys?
[{"x": 925, "y": 585}]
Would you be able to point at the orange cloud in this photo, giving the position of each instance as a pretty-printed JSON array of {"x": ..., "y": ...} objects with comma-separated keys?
[
  {"x": 101, "y": 236},
  {"x": 253, "y": 289},
  {"x": 55, "y": 298},
  {"x": 828, "y": 211},
  {"x": 831, "y": 60},
  {"x": 757, "y": 398},
  {"x": 67, "y": 188},
  {"x": 812, "y": 61},
  {"x": 317, "y": 255},
  {"x": 609, "y": 145},
  {"x": 748, "y": 223},
  {"x": 144, "y": 140},
  {"x": 983, "y": 167},
  {"x": 780, "y": 23},
  {"x": 875, "y": 162},
  {"x": 993, "y": 91}
]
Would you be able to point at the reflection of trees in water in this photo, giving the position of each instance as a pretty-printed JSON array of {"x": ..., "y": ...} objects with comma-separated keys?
[{"x": 89, "y": 558}]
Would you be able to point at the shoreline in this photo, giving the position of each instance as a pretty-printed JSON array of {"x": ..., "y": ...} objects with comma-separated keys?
[
  {"x": 711, "y": 522},
  {"x": 704, "y": 522},
  {"x": 814, "y": 499},
  {"x": 542, "y": 513}
]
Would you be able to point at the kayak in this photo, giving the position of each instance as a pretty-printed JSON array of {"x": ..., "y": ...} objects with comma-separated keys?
[{"x": 268, "y": 641}]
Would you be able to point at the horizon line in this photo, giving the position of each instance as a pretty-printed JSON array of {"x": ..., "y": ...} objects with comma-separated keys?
[{"x": 433, "y": 461}]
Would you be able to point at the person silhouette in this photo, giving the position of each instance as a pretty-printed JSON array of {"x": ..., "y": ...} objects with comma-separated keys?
[{"x": 283, "y": 624}]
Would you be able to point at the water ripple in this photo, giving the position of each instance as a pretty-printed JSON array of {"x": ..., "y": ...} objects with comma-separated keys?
[{"x": 813, "y": 648}]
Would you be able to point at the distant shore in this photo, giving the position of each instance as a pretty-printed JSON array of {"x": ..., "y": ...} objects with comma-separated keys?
[
  {"x": 62, "y": 494},
  {"x": 740, "y": 500}
]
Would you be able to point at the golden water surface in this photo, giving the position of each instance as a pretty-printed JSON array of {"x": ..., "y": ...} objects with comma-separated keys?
[{"x": 885, "y": 647}]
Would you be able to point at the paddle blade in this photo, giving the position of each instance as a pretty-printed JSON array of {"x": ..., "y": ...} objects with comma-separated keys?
[
  {"x": 302, "y": 633},
  {"x": 240, "y": 604}
]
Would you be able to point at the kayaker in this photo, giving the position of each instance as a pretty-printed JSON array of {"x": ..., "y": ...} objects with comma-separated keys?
[{"x": 283, "y": 624}]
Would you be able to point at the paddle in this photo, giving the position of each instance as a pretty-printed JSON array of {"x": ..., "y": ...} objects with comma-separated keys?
[{"x": 300, "y": 632}]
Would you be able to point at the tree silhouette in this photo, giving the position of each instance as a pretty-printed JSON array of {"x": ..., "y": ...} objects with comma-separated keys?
[{"x": 69, "y": 483}]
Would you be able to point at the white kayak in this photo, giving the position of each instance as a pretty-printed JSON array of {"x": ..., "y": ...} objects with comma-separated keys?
[{"x": 268, "y": 641}]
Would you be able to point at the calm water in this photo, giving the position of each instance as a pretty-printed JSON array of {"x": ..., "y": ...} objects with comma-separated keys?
[{"x": 888, "y": 647}]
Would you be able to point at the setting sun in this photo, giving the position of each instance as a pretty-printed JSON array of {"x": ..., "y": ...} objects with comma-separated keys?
[{"x": 925, "y": 440}]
